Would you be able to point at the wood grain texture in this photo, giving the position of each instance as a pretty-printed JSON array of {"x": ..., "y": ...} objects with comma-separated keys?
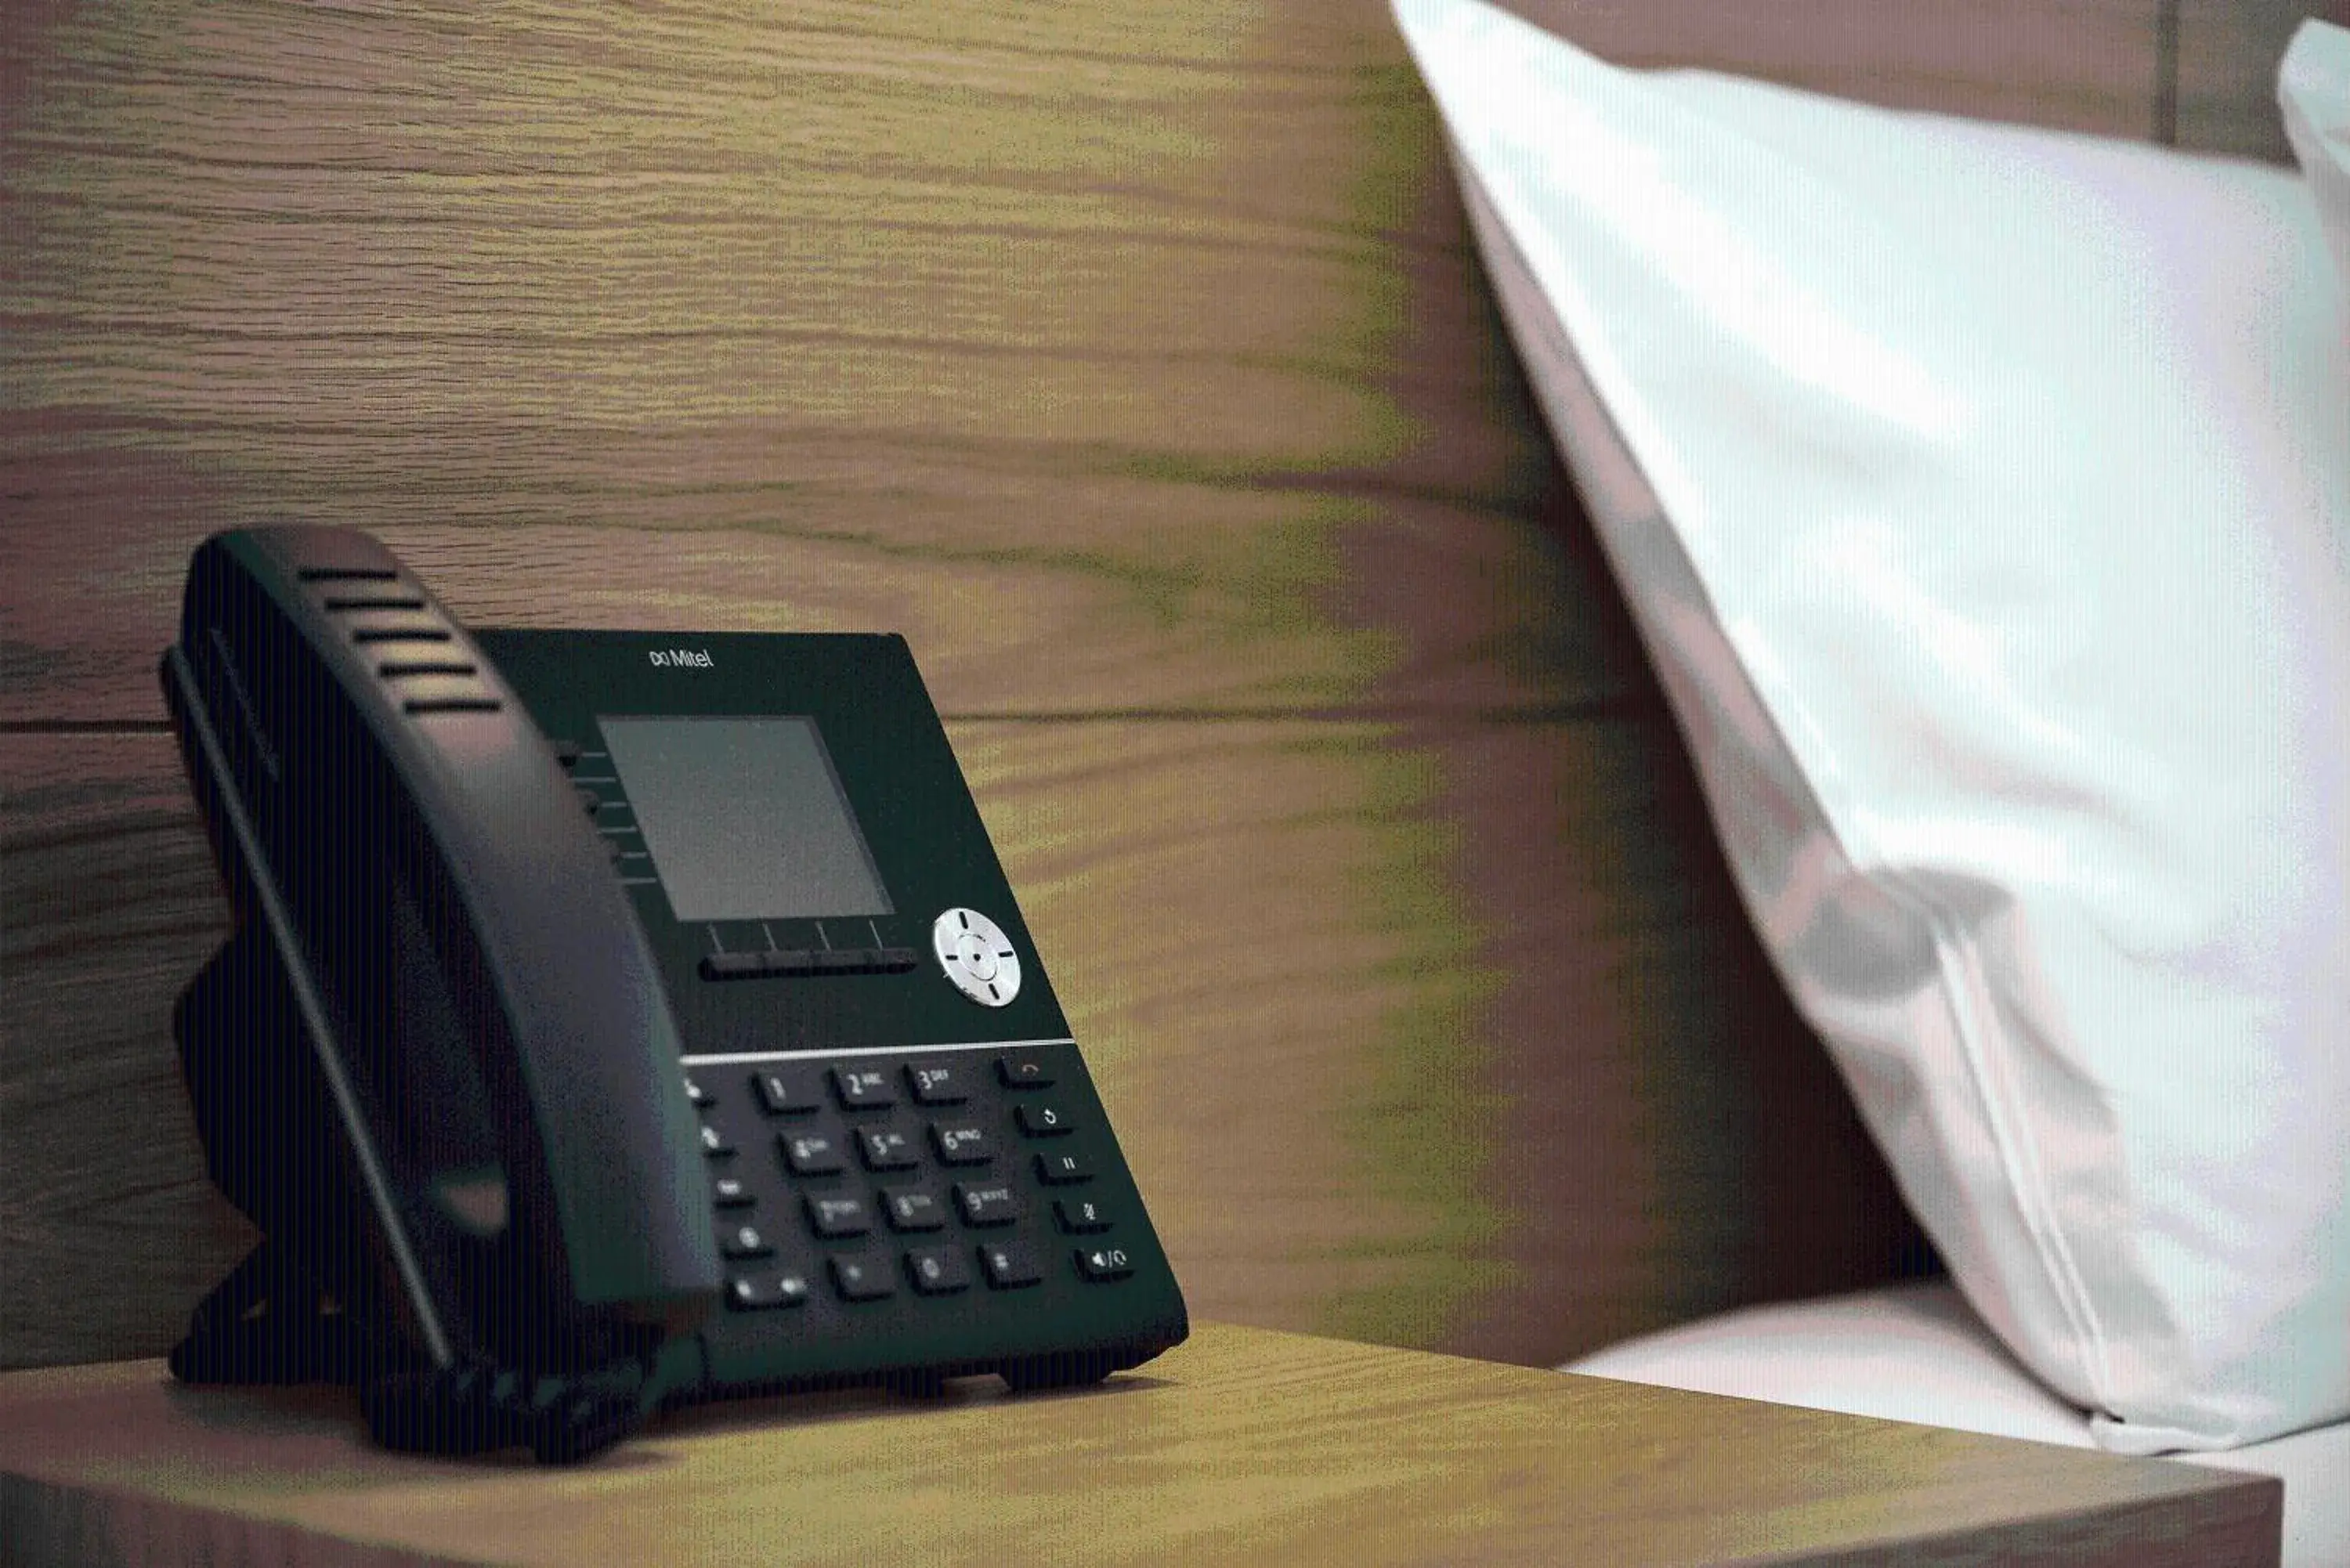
[
  {"x": 1109, "y": 296},
  {"x": 108, "y": 1230},
  {"x": 1257, "y": 603},
  {"x": 1238, "y": 1446}
]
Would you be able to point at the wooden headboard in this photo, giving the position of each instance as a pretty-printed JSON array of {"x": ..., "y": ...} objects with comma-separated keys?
[{"x": 1131, "y": 357}]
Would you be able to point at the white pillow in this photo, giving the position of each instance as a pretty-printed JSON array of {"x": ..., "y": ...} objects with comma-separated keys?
[
  {"x": 1987, "y": 515},
  {"x": 2313, "y": 91}
]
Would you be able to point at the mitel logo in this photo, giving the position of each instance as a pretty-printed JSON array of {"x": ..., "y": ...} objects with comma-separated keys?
[{"x": 681, "y": 657}]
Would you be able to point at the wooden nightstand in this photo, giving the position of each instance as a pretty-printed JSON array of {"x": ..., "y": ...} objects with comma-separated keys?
[{"x": 1242, "y": 1445}]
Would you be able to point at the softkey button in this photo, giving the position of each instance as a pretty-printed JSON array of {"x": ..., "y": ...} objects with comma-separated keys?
[
  {"x": 989, "y": 1205},
  {"x": 835, "y": 1215},
  {"x": 940, "y": 1084},
  {"x": 713, "y": 1142},
  {"x": 862, "y": 1088},
  {"x": 813, "y": 1154},
  {"x": 1041, "y": 1118},
  {"x": 745, "y": 1242},
  {"x": 913, "y": 1209},
  {"x": 751, "y": 1293},
  {"x": 695, "y": 1094},
  {"x": 938, "y": 1271},
  {"x": 862, "y": 1278},
  {"x": 730, "y": 1192},
  {"x": 1009, "y": 1265},
  {"x": 1079, "y": 1216},
  {"x": 756, "y": 965},
  {"x": 1098, "y": 1263}
]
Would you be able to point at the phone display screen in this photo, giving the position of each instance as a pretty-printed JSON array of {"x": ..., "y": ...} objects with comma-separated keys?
[{"x": 744, "y": 818}]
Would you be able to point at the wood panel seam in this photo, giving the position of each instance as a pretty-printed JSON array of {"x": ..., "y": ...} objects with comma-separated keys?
[{"x": 1565, "y": 711}]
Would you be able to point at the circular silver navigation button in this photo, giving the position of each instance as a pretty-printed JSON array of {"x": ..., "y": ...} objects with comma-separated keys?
[
  {"x": 974, "y": 953},
  {"x": 971, "y": 952}
]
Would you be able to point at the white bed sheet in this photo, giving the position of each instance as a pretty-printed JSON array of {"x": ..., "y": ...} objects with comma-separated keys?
[{"x": 1918, "y": 1352}]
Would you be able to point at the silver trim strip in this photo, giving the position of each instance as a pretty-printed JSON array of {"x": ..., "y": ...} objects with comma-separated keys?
[
  {"x": 731, "y": 1058},
  {"x": 313, "y": 1018}
]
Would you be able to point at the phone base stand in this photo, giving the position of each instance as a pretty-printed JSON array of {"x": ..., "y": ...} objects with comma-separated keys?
[
  {"x": 252, "y": 1329},
  {"x": 265, "y": 1323},
  {"x": 473, "y": 1407},
  {"x": 247, "y": 1062}
]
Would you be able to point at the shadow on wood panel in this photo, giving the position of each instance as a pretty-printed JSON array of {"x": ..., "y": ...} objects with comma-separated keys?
[
  {"x": 2077, "y": 65},
  {"x": 108, "y": 1230},
  {"x": 1582, "y": 857},
  {"x": 2229, "y": 51}
]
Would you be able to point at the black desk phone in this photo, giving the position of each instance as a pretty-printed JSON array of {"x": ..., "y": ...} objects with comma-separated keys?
[{"x": 613, "y": 1019}]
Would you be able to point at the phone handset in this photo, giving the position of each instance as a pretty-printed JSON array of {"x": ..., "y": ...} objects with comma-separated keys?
[{"x": 434, "y": 1063}]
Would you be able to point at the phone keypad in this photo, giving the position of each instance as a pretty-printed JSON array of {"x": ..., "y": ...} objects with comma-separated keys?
[
  {"x": 962, "y": 1143},
  {"x": 1063, "y": 1167},
  {"x": 752, "y": 1292},
  {"x": 862, "y": 1277},
  {"x": 1080, "y": 1216},
  {"x": 938, "y": 1271},
  {"x": 785, "y": 1092},
  {"x": 937, "y": 1176},
  {"x": 939, "y": 1083},
  {"x": 745, "y": 1242},
  {"x": 1010, "y": 1266},
  {"x": 813, "y": 1154},
  {"x": 833, "y": 1215},
  {"x": 915, "y": 1211},
  {"x": 862, "y": 1088}
]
